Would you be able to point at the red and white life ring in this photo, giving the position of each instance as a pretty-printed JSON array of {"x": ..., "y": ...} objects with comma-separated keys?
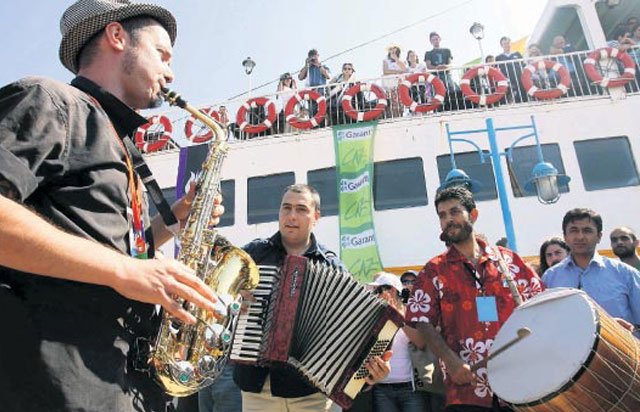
[
  {"x": 405, "y": 94},
  {"x": 494, "y": 75},
  {"x": 250, "y": 128},
  {"x": 298, "y": 98},
  {"x": 368, "y": 115},
  {"x": 605, "y": 53},
  {"x": 532, "y": 90},
  {"x": 196, "y": 137},
  {"x": 141, "y": 133}
]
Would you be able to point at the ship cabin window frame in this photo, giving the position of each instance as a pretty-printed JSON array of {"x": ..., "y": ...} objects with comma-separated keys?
[
  {"x": 228, "y": 191},
  {"x": 399, "y": 184},
  {"x": 264, "y": 195},
  {"x": 606, "y": 163},
  {"x": 525, "y": 157},
  {"x": 472, "y": 165},
  {"x": 324, "y": 181}
]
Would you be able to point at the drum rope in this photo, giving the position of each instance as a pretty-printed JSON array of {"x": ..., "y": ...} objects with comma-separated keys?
[{"x": 635, "y": 375}]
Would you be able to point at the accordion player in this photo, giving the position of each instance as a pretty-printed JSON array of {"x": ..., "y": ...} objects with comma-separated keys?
[{"x": 317, "y": 320}]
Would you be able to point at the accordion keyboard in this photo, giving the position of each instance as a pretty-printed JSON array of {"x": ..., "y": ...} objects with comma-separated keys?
[{"x": 249, "y": 331}]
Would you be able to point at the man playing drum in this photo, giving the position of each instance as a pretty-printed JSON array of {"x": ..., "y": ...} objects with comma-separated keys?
[{"x": 461, "y": 300}]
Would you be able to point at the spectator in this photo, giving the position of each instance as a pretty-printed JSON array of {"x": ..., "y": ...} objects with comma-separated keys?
[
  {"x": 552, "y": 251},
  {"x": 624, "y": 243},
  {"x": 393, "y": 66},
  {"x": 439, "y": 59},
  {"x": 459, "y": 303},
  {"x": 490, "y": 59},
  {"x": 398, "y": 390},
  {"x": 621, "y": 38},
  {"x": 286, "y": 89},
  {"x": 223, "y": 115},
  {"x": 502, "y": 242},
  {"x": 316, "y": 74},
  {"x": 635, "y": 34},
  {"x": 342, "y": 83},
  {"x": 632, "y": 21},
  {"x": 540, "y": 77},
  {"x": 612, "y": 284},
  {"x": 634, "y": 51},
  {"x": 512, "y": 70},
  {"x": 419, "y": 92}
]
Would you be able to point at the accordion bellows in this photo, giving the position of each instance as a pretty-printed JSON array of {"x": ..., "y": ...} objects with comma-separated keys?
[{"x": 319, "y": 321}]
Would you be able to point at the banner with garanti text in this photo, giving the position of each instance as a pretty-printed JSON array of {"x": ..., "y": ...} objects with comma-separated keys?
[{"x": 354, "y": 174}]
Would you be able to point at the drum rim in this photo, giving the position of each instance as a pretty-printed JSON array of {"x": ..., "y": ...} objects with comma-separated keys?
[{"x": 575, "y": 377}]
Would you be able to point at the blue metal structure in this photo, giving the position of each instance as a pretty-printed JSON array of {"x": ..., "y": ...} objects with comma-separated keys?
[{"x": 541, "y": 170}]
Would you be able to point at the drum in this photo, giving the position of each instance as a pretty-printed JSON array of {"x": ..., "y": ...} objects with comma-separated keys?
[{"x": 577, "y": 358}]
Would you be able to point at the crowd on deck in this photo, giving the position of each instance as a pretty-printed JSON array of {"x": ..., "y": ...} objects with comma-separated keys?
[{"x": 398, "y": 65}]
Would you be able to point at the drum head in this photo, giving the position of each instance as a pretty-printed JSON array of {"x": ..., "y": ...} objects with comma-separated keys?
[{"x": 563, "y": 325}]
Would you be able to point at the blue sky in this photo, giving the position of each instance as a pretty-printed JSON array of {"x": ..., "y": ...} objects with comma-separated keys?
[{"x": 214, "y": 37}]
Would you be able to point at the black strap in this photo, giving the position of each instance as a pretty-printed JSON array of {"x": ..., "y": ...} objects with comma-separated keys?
[{"x": 153, "y": 189}]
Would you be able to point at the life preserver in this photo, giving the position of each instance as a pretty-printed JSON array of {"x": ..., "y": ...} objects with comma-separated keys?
[
  {"x": 347, "y": 107},
  {"x": 405, "y": 95},
  {"x": 253, "y": 103},
  {"x": 605, "y": 53},
  {"x": 298, "y": 98},
  {"x": 532, "y": 90},
  {"x": 494, "y": 75},
  {"x": 141, "y": 133},
  {"x": 198, "y": 137}
]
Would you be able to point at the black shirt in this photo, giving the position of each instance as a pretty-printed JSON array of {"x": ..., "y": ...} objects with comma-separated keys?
[
  {"x": 65, "y": 343},
  {"x": 285, "y": 382}
]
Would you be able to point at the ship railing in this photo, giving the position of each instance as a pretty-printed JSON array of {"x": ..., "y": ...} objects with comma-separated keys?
[{"x": 423, "y": 93}]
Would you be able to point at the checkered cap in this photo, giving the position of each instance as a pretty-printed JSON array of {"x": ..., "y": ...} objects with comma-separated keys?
[{"x": 85, "y": 18}]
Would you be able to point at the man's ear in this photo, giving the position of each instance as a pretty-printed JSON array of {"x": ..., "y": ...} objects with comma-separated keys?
[
  {"x": 317, "y": 215},
  {"x": 473, "y": 215},
  {"x": 115, "y": 36}
]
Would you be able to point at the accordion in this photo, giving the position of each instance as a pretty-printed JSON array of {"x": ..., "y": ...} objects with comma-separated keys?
[{"x": 317, "y": 320}]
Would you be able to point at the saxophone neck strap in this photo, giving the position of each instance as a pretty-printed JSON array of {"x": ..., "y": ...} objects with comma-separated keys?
[{"x": 153, "y": 189}]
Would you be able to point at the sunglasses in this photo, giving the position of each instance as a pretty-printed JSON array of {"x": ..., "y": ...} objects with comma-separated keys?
[
  {"x": 382, "y": 288},
  {"x": 408, "y": 281}
]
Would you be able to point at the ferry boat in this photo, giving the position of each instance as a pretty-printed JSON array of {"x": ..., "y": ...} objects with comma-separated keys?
[{"x": 590, "y": 134}]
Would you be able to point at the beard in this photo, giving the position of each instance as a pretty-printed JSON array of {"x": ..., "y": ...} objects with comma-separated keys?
[
  {"x": 465, "y": 231},
  {"x": 129, "y": 62},
  {"x": 624, "y": 252}
]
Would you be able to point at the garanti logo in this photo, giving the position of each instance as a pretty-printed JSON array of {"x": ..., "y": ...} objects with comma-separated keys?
[
  {"x": 358, "y": 241},
  {"x": 355, "y": 134},
  {"x": 353, "y": 185}
]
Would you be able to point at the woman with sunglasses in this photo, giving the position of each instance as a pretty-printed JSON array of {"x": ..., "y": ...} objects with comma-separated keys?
[{"x": 342, "y": 82}]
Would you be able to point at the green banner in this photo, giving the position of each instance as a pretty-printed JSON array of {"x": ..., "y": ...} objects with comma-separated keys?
[{"x": 354, "y": 175}]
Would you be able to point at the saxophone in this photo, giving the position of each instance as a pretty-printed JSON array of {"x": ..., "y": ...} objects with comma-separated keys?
[{"x": 186, "y": 358}]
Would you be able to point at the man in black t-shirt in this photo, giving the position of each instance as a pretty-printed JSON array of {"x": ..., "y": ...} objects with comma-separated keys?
[
  {"x": 512, "y": 70},
  {"x": 439, "y": 59}
]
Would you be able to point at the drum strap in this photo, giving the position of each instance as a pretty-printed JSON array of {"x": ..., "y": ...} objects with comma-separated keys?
[{"x": 509, "y": 278}]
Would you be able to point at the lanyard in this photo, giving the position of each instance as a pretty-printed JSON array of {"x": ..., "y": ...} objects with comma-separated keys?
[{"x": 137, "y": 241}]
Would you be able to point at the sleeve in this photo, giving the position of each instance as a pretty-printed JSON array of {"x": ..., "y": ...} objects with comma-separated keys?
[
  {"x": 33, "y": 137},
  {"x": 449, "y": 56},
  {"x": 424, "y": 303},
  {"x": 634, "y": 294},
  {"x": 427, "y": 56}
]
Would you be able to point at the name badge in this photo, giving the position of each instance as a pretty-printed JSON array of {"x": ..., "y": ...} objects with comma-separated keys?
[{"x": 487, "y": 309}]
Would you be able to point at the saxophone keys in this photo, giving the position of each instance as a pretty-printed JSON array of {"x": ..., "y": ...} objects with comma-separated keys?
[{"x": 183, "y": 371}]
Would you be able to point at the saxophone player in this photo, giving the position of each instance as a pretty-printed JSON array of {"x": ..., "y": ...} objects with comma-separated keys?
[{"x": 68, "y": 193}]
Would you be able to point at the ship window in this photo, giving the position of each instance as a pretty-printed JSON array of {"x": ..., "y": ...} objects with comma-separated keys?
[
  {"x": 169, "y": 193},
  {"x": 524, "y": 159},
  {"x": 606, "y": 163},
  {"x": 398, "y": 184},
  {"x": 472, "y": 165},
  {"x": 324, "y": 181},
  {"x": 264, "y": 196},
  {"x": 228, "y": 189}
]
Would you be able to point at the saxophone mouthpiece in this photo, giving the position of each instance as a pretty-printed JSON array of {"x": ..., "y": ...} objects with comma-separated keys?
[{"x": 172, "y": 97}]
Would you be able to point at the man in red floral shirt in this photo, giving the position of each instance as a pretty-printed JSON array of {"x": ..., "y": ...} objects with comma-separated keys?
[{"x": 461, "y": 299}]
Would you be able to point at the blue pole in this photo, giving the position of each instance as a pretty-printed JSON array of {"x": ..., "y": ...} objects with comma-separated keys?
[{"x": 502, "y": 192}]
